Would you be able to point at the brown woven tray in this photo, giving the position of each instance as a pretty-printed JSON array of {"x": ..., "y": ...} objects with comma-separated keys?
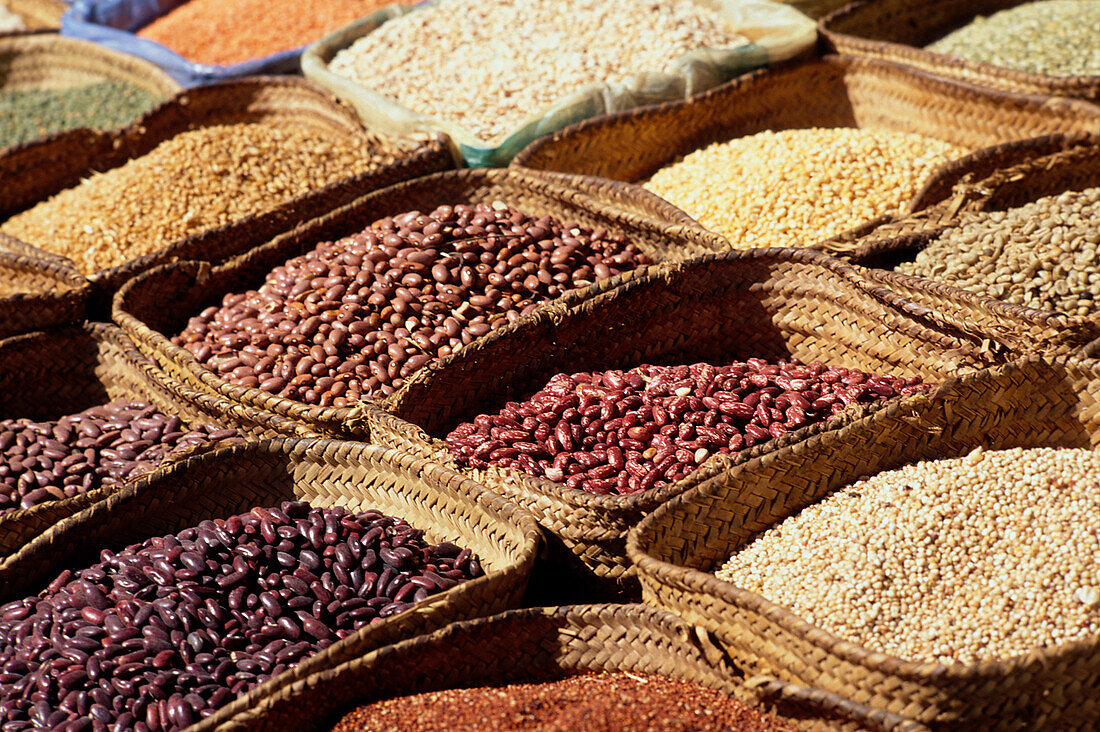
[
  {"x": 523, "y": 646},
  {"x": 1028, "y": 403},
  {"x": 32, "y": 173},
  {"x": 234, "y": 479},
  {"x": 38, "y": 15},
  {"x": 829, "y": 92},
  {"x": 763, "y": 303},
  {"x": 660, "y": 230},
  {"x": 46, "y": 375},
  {"x": 36, "y": 294},
  {"x": 897, "y": 30},
  {"x": 1015, "y": 177}
]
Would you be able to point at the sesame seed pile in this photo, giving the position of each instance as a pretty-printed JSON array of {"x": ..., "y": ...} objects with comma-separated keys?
[
  {"x": 1054, "y": 37},
  {"x": 797, "y": 187},
  {"x": 486, "y": 65},
  {"x": 192, "y": 182},
  {"x": 1042, "y": 255},
  {"x": 980, "y": 557},
  {"x": 10, "y": 21}
]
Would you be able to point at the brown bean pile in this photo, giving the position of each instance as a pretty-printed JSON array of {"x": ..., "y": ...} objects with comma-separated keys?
[
  {"x": 163, "y": 633},
  {"x": 590, "y": 702},
  {"x": 355, "y": 318},
  {"x": 629, "y": 431},
  {"x": 192, "y": 182},
  {"x": 102, "y": 446}
]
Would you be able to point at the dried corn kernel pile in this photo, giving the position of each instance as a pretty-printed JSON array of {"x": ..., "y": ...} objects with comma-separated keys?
[
  {"x": 893, "y": 562},
  {"x": 796, "y": 187}
]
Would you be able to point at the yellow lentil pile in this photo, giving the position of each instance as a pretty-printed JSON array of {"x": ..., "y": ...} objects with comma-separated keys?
[
  {"x": 192, "y": 182},
  {"x": 1042, "y": 255},
  {"x": 796, "y": 187},
  {"x": 985, "y": 556}
]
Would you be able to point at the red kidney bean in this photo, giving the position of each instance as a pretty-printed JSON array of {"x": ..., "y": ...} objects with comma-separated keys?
[
  {"x": 113, "y": 647},
  {"x": 103, "y": 446},
  {"x": 656, "y": 424},
  {"x": 354, "y": 318}
]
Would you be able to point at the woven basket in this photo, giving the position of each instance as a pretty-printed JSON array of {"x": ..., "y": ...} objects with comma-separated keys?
[
  {"x": 234, "y": 479},
  {"x": 38, "y": 15},
  {"x": 36, "y": 294},
  {"x": 897, "y": 30},
  {"x": 660, "y": 230},
  {"x": 1028, "y": 403},
  {"x": 763, "y": 303},
  {"x": 520, "y": 646},
  {"x": 32, "y": 173},
  {"x": 46, "y": 375},
  {"x": 1014, "y": 178},
  {"x": 829, "y": 92}
]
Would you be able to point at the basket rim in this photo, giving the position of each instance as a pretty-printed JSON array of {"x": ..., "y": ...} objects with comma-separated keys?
[
  {"x": 696, "y": 581},
  {"x": 935, "y": 62}
]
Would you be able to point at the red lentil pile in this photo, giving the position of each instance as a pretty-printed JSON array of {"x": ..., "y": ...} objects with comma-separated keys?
[
  {"x": 629, "y": 431},
  {"x": 232, "y": 31},
  {"x": 592, "y": 702}
]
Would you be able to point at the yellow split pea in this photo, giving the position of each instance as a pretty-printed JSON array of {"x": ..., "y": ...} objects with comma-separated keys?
[{"x": 797, "y": 187}]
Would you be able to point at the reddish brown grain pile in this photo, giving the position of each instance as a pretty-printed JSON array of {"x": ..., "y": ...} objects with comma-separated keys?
[{"x": 593, "y": 702}]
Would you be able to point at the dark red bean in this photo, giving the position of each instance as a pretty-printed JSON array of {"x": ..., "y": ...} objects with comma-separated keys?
[{"x": 623, "y": 432}]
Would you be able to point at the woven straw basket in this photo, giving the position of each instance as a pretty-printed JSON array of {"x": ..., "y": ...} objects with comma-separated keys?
[
  {"x": 765, "y": 303},
  {"x": 897, "y": 30},
  {"x": 829, "y": 92},
  {"x": 46, "y": 375},
  {"x": 1016, "y": 177},
  {"x": 38, "y": 15},
  {"x": 36, "y": 293},
  {"x": 520, "y": 646},
  {"x": 234, "y": 479},
  {"x": 660, "y": 230},
  {"x": 1028, "y": 403},
  {"x": 30, "y": 174}
]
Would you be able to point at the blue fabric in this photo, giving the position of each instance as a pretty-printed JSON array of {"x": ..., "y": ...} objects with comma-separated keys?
[{"x": 113, "y": 23}]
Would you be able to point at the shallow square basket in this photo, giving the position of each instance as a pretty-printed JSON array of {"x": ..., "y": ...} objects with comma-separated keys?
[
  {"x": 660, "y": 230},
  {"x": 1027, "y": 403},
  {"x": 767, "y": 303},
  {"x": 897, "y": 30},
  {"x": 32, "y": 173},
  {"x": 235, "y": 479}
]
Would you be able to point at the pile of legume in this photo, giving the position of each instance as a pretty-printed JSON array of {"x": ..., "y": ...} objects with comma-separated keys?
[
  {"x": 27, "y": 114},
  {"x": 796, "y": 187},
  {"x": 165, "y": 632},
  {"x": 10, "y": 21},
  {"x": 590, "y": 702},
  {"x": 629, "y": 431},
  {"x": 984, "y": 556},
  {"x": 356, "y": 317},
  {"x": 102, "y": 446},
  {"x": 1042, "y": 255},
  {"x": 221, "y": 32},
  {"x": 487, "y": 65},
  {"x": 194, "y": 181},
  {"x": 1053, "y": 37}
]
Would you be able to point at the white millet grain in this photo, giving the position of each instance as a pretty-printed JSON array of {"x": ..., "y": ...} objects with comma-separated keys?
[
  {"x": 1043, "y": 254},
  {"x": 486, "y": 65},
  {"x": 194, "y": 181},
  {"x": 985, "y": 556},
  {"x": 10, "y": 21},
  {"x": 795, "y": 187},
  {"x": 1054, "y": 37}
]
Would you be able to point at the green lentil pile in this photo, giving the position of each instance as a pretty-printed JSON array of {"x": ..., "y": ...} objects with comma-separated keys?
[
  {"x": 980, "y": 557},
  {"x": 796, "y": 187},
  {"x": 27, "y": 114},
  {"x": 1041, "y": 255},
  {"x": 192, "y": 182},
  {"x": 1053, "y": 37}
]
